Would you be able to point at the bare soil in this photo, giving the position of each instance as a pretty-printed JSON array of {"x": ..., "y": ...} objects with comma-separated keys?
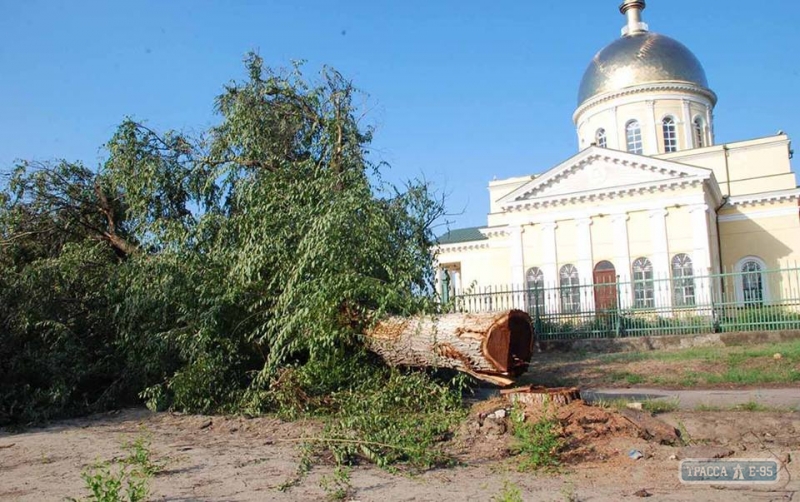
[{"x": 234, "y": 458}]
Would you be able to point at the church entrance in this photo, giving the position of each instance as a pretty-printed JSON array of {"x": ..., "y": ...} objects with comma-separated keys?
[{"x": 605, "y": 286}]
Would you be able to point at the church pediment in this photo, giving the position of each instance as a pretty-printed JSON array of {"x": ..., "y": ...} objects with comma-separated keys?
[{"x": 602, "y": 171}]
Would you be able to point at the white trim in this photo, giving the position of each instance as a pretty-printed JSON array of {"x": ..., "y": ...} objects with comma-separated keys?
[
  {"x": 687, "y": 127},
  {"x": 682, "y": 174},
  {"x": 549, "y": 265},
  {"x": 767, "y": 213},
  {"x": 591, "y": 154},
  {"x": 598, "y": 211},
  {"x": 622, "y": 258},
  {"x": 776, "y": 196},
  {"x": 634, "y": 95},
  {"x": 458, "y": 247},
  {"x": 602, "y": 194},
  {"x": 660, "y": 260},
  {"x": 516, "y": 261},
  {"x": 765, "y": 296},
  {"x": 494, "y": 232}
]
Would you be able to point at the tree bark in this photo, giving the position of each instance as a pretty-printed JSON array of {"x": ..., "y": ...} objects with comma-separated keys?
[{"x": 491, "y": 346}]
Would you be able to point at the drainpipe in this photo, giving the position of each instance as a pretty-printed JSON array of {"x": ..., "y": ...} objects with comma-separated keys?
[
  {"x": 715, "y": 322},
  {"x": 719, "y": 239},
  {"x": 727, "y": 170}
]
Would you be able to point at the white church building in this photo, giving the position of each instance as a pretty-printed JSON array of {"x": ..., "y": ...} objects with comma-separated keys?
[{"x": 649, "y": 214}]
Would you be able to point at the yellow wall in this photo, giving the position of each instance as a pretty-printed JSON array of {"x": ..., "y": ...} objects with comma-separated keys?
[
  {"x": 774, "y": 239},
  {"x": 753, "y": 166}
]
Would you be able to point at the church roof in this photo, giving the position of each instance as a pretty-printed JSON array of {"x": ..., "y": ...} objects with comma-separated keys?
[
  {"x": 640, "y": 58},
  {"x": 461, "y": 235}
]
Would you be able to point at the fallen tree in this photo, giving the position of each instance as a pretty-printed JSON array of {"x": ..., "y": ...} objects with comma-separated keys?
[{"x": 491, "y": 346}]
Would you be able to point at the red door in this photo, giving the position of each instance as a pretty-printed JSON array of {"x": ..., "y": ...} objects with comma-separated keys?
[{"x": 605, "y": 286}]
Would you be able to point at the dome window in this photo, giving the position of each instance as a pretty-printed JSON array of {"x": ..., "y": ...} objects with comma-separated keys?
[
  {"x": 670, "y": 135},
  {"x": 633, "y": 135},
  {"x": 600, "y": 138},
  {"x": 699, "y": 132}
]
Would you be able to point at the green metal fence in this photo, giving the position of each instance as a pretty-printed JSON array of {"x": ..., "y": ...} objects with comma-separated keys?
[{"x": 736, "y": 301}]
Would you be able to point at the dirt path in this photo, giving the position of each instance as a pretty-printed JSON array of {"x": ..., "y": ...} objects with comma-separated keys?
[
  {"x": 217, "y": 458},
  {"x": 787, "y": 398}
]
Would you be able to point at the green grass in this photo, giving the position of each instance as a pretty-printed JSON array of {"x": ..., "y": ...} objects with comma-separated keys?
[
  {"x": 790, "y": 351},
  {"x": 737, "y": 365},
  {"x": 626, "y": 376}
]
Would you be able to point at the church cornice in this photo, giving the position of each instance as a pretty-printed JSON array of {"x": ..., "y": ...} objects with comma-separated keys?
[
  {"x": 603, "y": 195},
  {"x": 674, "y": 175},
  {"x": 685, "y": 87},
  {"x": 764, "y": 197},
  {"x": 461, "y": 246}
]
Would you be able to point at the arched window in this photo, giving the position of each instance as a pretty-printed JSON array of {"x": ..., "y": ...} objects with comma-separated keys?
[
  {"x": 535, "y": 283},
  {"x": 633, "y": 134},
  {"x": 752, "y": 283},
  {"x": 569, "y": 286},
  {"x": 643, "y": 284},
  {"x": 670, "y": 135},
  {"x": 682, "y": 280},
  {"x": 699, "y": 132},
  {"x": 600, "y": 138}
]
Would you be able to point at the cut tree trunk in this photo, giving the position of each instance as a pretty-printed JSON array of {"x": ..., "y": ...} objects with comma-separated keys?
[
  {"x": 532, "y": 395},
  {"x": 491, "y": 346}
]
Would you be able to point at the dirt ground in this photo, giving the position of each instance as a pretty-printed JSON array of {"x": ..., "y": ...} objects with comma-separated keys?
[{"x": 237, "y": 459}]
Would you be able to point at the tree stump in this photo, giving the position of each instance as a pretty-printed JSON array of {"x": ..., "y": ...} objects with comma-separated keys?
[
  {"x": 540, "y": 397},
  {"x": 491, "y": 346}
]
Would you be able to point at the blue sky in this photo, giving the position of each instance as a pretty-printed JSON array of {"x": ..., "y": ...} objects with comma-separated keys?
[{"x": 460, "y": 91}]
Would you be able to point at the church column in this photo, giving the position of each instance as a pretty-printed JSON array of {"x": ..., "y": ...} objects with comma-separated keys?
[
  {"x": 688, "y": 135},
  {"x": 710, "y": 125},
  {"x": 622, "y": 258},
  {"x": 701, "y": 255},
  {"x": 651, "y": 142},
  {"x": 658, "y": 235},
  {"x": 517, "y": 267},
  {"x": 550, "y": 267},
  {"x": 585, "y": 263},
  {"x": 613, "y": 132}
]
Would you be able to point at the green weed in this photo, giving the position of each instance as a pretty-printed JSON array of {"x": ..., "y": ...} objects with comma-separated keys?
[
  {"x": 128, "y": 481},
  {"x": 660, "y": 405},
  {"x": 538, "y": 443},
  {"x": 751, "y": 406},
  {"x": 337, "y": 485},
  {"x": 509, "y": 493}
]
